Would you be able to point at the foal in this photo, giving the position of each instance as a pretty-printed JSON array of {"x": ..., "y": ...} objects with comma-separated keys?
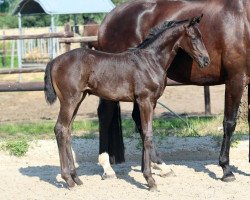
[{"x": 135, "y": 75}]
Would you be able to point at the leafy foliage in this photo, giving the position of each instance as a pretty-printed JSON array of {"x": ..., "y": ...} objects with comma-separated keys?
[{"x": 9, "y": 21}]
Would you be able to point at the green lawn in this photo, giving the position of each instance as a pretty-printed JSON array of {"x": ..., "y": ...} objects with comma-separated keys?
[{"x": 15, "y": 136}]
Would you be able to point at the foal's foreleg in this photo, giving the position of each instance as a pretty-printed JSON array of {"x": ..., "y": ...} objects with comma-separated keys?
[
  {"x": 157, "y": 162},
  {"x": 233, "y": 94},
  {"x": 146, "y": 114}
]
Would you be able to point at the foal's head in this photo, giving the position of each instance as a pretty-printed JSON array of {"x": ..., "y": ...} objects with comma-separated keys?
[{"x": 192, "y": 43}]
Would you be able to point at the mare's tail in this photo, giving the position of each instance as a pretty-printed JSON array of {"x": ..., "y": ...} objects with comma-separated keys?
[{"x": 49, "y": 91}]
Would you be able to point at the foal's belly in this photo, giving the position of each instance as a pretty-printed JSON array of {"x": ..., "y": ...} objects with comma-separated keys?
[{"x": 112, "y": 90}]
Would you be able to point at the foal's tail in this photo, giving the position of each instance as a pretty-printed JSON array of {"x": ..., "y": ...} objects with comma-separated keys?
[{"x": 49, "y": 91}]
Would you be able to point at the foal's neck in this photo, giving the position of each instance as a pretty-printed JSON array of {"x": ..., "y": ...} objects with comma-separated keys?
[{"x": 164, "y": 48}]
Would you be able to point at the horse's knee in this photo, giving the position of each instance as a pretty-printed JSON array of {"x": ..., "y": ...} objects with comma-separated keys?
[
  {"x": 61, "y": 132},
  {"x": 148, "y": 142},
  {"x": 229, "y": 125}
]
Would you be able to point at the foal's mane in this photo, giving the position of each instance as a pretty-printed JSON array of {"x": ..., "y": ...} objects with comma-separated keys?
[{"x": 156, "y": 31}]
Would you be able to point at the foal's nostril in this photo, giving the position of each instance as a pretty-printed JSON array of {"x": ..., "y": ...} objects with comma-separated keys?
[{"x": 206, "y": 61}]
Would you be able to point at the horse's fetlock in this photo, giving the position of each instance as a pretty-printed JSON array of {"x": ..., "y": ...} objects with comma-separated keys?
[
  {"x": 65, "y": 175},
  {"x": 146, "y": 174},
  {"x": 223, "y": 161}
]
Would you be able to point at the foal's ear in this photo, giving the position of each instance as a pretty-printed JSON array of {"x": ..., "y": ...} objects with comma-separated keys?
[{"x": 195, "y": 20}]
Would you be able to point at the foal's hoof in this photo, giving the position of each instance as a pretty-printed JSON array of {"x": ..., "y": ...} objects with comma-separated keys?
[
  {"x": 167, "y": 174},
  {"x": 153, "y": 188},
  {"x": 77, "y": 181},
  {"x": 70, "y": 183},
  {"x": 108, "y": 176},
  {"x": 228, "y": 177}
]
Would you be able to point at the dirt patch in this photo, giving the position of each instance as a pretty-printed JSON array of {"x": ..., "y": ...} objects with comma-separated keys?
[{"x": 36, "y": 176}]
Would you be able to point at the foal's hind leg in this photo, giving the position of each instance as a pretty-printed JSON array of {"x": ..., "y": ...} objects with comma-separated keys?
[
  {"x": 157, "y": 162},
  {"x": 67, "y": 112},
  {"x": 233, "y": 94},
  {"x": 69, "y": 149}
]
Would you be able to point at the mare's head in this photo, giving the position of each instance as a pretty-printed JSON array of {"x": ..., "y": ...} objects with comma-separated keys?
[{"x": 192, "y": 43}]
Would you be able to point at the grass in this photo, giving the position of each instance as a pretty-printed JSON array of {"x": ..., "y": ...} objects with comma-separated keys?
[
  {"x": 16, "y": 147},
  {"x": 7, "y": 55},
  {"x": 16, "y": 135}
]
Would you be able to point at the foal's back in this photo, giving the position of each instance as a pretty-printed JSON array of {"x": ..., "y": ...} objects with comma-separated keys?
[{"x": 116, "y": 77}]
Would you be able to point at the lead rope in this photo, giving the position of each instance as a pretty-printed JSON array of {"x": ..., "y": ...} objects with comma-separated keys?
[{"x": 178, "y": 116}]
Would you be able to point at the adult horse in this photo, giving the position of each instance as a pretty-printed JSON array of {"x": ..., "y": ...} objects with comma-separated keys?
[
  {"x": 90, "y": 28},
  {"x": 136, "y": 75},
  {"x": 226, "y": 32}
]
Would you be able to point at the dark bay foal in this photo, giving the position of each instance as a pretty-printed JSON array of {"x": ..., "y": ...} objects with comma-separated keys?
[{"x": 137, "y": 75}]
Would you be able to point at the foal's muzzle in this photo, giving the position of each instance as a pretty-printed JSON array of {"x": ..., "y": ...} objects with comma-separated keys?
[{"x": 204, "y": 61}]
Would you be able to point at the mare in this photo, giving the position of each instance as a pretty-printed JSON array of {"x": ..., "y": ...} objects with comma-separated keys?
[
  {"x": 91, "y": 29},
  {"x": 226, "y": 33},
  {"x": 136, "y": 75}
]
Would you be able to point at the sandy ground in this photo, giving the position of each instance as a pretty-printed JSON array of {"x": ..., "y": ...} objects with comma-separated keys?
[{"x": 194, "y": 160}]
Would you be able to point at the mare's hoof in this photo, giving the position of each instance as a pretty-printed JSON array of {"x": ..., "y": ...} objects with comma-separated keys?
[
  {"x": 228, "y": 177},
  {"x": 77, "y": 181},
  {"x": 108, "y": 176},
  {"x": 168, "y": 174}
]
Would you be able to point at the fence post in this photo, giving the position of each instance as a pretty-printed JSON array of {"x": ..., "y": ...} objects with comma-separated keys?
[
  {"x": 12, "y": 54},
  {"x": 4, "y": 52},
  {"x": 19, "y": 46},
  {"x": 67, "y": 29},
  {"x": 207, "y": 100}
]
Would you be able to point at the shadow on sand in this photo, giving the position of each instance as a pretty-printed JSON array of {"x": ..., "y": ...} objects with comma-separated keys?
[{"x": 87, "y": 159}]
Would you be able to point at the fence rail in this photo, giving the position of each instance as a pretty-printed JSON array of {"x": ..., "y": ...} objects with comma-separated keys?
[
  {"x": 37, "y": 36},
  {"x": 79, "y": 39},
  {"x": 22, "y": 70},
  {"x": 21, "y": 86}
]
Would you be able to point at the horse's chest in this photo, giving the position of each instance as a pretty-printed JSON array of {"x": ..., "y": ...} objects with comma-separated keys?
[{"x": 150, "y": 83}]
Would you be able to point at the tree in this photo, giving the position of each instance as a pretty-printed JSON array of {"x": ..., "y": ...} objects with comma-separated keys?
[
  {"x": 116, "y": 2},
  {"x": 7, "y": 5}
]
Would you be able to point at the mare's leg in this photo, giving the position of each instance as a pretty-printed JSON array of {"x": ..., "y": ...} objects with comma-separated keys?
[
  {"x": 108, "y": 172},
  {"x": 111, "y": 140},
  {"x": 157, "y": 162},
  {"x": 233, "y": 94},
  {"x": 146, "y": 113},
  {"x": 62, "y": 129},
  {"x": 110, "y": 137}
]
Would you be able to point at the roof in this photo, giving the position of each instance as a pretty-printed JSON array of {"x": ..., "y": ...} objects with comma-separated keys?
[{"x": 26, "y": 7}]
